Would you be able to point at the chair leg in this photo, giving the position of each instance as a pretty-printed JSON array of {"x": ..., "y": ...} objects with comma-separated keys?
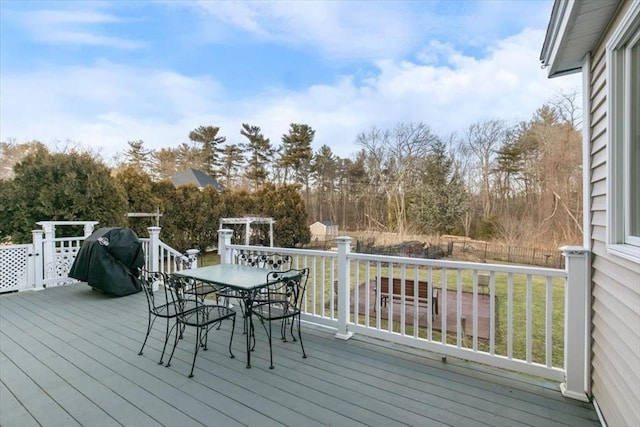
[
  {"x": 166, "y": 339},
  {"x": 252, "y": 332},
  {"x": 293, "y": 337},
  {"x": 268, "y": 331},
  {"x": 244, "y": 314},
  {"x": 195, "y": 352},
  {"x": 304, "y": 355},
  {"x": 202, "y": 335},
  {"x": 179, "y": 327},
  {"x": 233, "y": 327},
  {"x": 149, "y": 325},
  {"x": 203, "y": 343},
  {"x": 283, "y": 329}
]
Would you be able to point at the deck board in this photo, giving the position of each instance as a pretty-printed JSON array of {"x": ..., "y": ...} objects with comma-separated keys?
[
  {"x": 14, "y": 413},
  {"x": 69, "y": 356}
]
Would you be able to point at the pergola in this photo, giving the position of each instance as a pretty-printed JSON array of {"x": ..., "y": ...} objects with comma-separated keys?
[{"x": 247, "y": 221}]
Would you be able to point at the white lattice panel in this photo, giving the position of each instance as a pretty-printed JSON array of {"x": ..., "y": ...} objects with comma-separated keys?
[
  {"x": 57, "y": 272},
  {"x": 13, "y": 267}
]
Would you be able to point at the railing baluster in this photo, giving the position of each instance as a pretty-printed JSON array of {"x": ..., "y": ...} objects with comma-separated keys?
[
  {"x": 548, "y": 324},
  {"x": 510, "y": 316},
  {"x": 367, "y": 293},
  {"x": 355, "y": 287},
  {"x": 529, "y": 328},
  {"x": 443, "y": 318},
  {"x": 332, "y": 290},
  {"x": 492, "y": 314},
  {"x": 431, "y": 308},
  {"x": 474, "y": 314},
  {"x": 403, "y": 299},
  {"x": 391, "y": 275},
  {"x": 416, "y": 305},
  {"x": 378, "y": 305},
  {"x": 461, "y": 320}
]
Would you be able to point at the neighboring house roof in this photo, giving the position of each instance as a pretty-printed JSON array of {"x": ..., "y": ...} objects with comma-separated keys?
[
  {"x": 195, "y": 177},
  {"x": 574, "y": 29}
]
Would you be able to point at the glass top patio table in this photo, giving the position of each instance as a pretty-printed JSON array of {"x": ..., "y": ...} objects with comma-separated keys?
[
  {"x": 238, "y": 277},
  {"x": 244, "y": 279}
]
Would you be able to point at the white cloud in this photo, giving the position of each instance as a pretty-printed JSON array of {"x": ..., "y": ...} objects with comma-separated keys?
[
  {"x": 351, "y": 30},
  {"x": 74, "y": 27},
  {"x": 106, "y": 104},
  {"x": 103, "y": 106},
  {"x": 368, "y": 29},
  {"x": 508, "y": 84}
]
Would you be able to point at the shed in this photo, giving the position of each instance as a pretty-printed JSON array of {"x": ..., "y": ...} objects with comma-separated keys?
[{"x": 323, "y": 230}]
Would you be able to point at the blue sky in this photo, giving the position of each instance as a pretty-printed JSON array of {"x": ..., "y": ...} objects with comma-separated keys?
[{"x": 97, "y": 74}]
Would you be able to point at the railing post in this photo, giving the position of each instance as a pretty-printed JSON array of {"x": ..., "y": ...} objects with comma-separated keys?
[
  {"x": 192, "y": 254},
  {"x": 271, "y": 233},
  {"x": 88, "y": 229},
  {"x": 344, "y": 279},
  {"x": 224, "y": 240},
  {"x": 154, "y": 251},
  {"x": 36, "y": 264},
  {"x": 48, "y": 249},
  {"x": 577, "y": 341}
]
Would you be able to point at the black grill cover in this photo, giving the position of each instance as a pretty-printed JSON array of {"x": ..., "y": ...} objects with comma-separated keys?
[{"x": 108, "y": 261}]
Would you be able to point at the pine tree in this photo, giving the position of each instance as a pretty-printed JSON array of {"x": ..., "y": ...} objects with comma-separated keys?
[
  {"x": 260, "y": 155},
  {"x": 208, "y": 137}
]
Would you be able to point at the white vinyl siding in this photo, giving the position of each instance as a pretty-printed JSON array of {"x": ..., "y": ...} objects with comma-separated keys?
[{"x": 615, "y": 362}]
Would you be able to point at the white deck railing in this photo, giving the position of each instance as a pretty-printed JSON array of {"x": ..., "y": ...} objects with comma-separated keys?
[
  {"x": 47, "y": 261},
  {"x": 523, "y": 321},
  {"x": 161, "y": 257},
  {"x": 54, "y": 256}
]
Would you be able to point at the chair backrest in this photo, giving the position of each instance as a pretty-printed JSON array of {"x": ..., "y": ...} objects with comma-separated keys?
[
  {"x": 166, "y": 293},
  {"x": 187, "y": 291},
  {"x": 289, "y": 285},
  {"x": 272, "y": 261}
]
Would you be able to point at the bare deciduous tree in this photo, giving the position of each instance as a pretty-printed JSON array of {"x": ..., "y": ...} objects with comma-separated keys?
[
  {"x": 393, "y": 160},
  {"x": 482, "y": 141}
]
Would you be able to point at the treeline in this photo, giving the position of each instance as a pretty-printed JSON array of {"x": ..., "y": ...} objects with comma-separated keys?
[
  {"x": 74, "y": 186},
  {"x": 520, "y": 183}
]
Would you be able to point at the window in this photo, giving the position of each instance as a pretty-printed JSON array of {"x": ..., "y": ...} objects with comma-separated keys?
[
  {"x": 634, "y": 145},
  {"x": 623, "y": 60}
]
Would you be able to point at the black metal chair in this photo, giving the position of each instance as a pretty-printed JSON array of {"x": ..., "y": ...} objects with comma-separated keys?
[
  {"x": 273, "y": 261},
  {"x": 269, "y": 261},
  {"x": 283, "y": 302},
  {"x": 203, "y": 317},
  {"x": 163, "y": 303}
]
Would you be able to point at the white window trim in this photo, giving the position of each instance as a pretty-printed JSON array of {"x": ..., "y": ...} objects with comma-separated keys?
[{"x": 627, "y": 247}]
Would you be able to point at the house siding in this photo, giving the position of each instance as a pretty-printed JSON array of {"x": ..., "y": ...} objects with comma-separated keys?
[{"x": 615, "y": 363}]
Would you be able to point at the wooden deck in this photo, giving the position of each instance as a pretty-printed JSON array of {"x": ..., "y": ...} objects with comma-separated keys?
[{"x": 69, "y": 356}]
